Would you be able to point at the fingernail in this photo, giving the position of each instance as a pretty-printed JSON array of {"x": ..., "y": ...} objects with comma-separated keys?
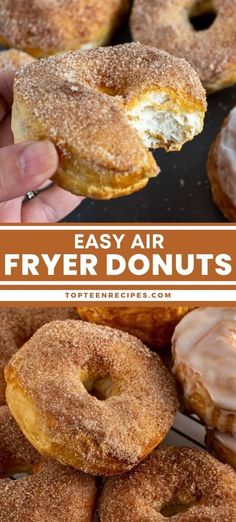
[{"x": 38, "y": 159}]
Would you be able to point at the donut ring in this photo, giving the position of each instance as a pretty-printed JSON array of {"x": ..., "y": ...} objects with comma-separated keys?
[
  {"x": 166, "y": 24},
  {"x": 221, "y": 167},
  {"x": 52, "y": 27},
  {"x": 103, "y": 109},
  {"x": 154, "y": 326},
  {"x": 222, "y": 446},
  {"x": 205, "y": 362},
  {"x": 186, "y": 484},
  {"x": 113, "y": 402},
  {"x": 52, "y": 492},
  {"x": 13, "y": 60},
  {"x": 17, "y": 326}
]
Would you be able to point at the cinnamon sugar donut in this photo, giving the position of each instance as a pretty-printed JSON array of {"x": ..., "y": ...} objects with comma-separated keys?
[
  {"x": 103, "y": 108},
  {"x": 205, "y": 363},
  {"x": 166, "y": 24},
  {"x": 13, "y": 60},
  {"x": 154, "y": 326},
  {"x": 221, "y": 167},
  {"x": 222, "y": 446},
  {"x": 17, "y": 325},
  {"x": 90, "y": 396},
  {"x": 52, "y": 492},
  {"x": 183, "y": 484},
  {"x": 52, "y": 26}
]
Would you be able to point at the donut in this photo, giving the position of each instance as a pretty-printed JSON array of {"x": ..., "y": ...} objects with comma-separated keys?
[
  {"x": 103, "y": 108},
  {"x": 169, "y": 25},
  {"x": 154, "y": 326},
  {"x": 52, "y": 27},
  {"x": 51, "y": 492},
  {"x": 205, "y": 364},
  {"x": 17, "y": 326},
  {"x": 185, "y": 484},
  {"x": 222, "y": 446},
  {"x": 221, "y": 167},
  {"x": 90, "y": 396},
  {"x": 13, "y": 60}
]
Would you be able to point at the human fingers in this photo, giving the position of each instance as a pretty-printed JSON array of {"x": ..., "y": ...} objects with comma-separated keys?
[
  {"x": 50, "y": 206},
  {"x": 25, "y": 166},
  {"x": 6, "y": 92}
]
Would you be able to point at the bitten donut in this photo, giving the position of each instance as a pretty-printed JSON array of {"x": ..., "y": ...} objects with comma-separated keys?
[
  {"x": 103, "y": 108},
  {"x": 185, "y": 484},
  {"x": 90, "y": 396},
  {"x": 50, "y": 27},
  {"x": 169, "y": 25},
  {"x": 205, "y": 364},
  {"x": 221, "y": 167},
  {"x": 154, "y": 326},
  {"x": 52, "y": 492},
  {"x": 12, "y": 60},
  {"x": 222, "y": 446},
  {"x": 16, "y": 327}
]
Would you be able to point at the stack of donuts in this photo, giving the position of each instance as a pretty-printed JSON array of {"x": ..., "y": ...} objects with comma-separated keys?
[
  {"x": 86, "y": 407},
  {"x": 204, "y": 358}
]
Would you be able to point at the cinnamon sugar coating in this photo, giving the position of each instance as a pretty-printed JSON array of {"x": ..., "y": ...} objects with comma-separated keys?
[
  {"x": 180, "y": 484},
  {"x": 52, "y": 493},
  {"x": 85, "y": 102},
  {"x": 96, "y": 397},
  {"x": 165, "y": 24},
  {"x": 154, "y": 326},
  {"x": 18, "y": 325},
  {"x": 13, "y": 59},
  {"x": 51, "y": 26}
]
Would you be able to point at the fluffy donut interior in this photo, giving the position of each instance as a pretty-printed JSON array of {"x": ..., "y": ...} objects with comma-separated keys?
[{"x": 161, "y": 123}]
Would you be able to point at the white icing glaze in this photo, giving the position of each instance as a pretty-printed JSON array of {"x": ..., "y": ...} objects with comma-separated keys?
[
  {"x": 227, "y": 157},
  {"x": 205, "y": 343},
  {"x": 227, "y": 440}
]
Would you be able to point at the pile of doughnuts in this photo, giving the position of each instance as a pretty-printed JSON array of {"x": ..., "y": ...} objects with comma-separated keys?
[
  {"x": 204, "y": 359},
  {"x": 86, "y": 400}
]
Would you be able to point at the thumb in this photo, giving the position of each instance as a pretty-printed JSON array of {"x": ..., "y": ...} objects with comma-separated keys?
[{"x": 25, "y": 166}]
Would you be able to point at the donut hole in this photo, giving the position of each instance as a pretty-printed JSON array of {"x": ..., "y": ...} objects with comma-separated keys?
[
  {"x": 102, "y": 388},
  {"x": 174, "y": 507},
  {"x": 202, "y": 15}
]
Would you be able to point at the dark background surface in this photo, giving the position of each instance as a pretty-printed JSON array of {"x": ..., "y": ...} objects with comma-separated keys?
[{"x": 181, "y": 192}]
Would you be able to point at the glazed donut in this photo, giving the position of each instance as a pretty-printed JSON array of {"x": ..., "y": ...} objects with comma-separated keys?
[
  {"x": 52, "y": 492},
  {"x": 166, "y": 24},
  {"x": 103, "y": 108},
  {"x": 154, "y": 326},
  {"x": 222, "y": 446},
  {"x": 221, "y": 167},
  {"x": 205, "y": 364},
  {"x": 51, "y": 27},
  {"x": 13, "y": 60},
  {"x": 96, "y": 398},
  {"x": 186, "y": 484},
  {"x": 18, "y": 325}
]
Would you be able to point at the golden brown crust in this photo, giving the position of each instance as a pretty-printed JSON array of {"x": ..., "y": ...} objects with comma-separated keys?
[
  {"x": 165, "y": 24},
  {"x": 18, "y": 325},
  {"x": 219, "y": 172},
  {"x": 154, "y": 326},
  {"x": 96, "y": 397},
  {"x": 186, "y": 484},
  {"x": 14, "y": 59},
  {"x": 222, "y": 446},
  {"x": 83, "y": 102},
  {"x": 51, "y": 27}
]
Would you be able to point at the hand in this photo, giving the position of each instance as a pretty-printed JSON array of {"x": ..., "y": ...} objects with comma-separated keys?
[{"x": 26, "y": 167}]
